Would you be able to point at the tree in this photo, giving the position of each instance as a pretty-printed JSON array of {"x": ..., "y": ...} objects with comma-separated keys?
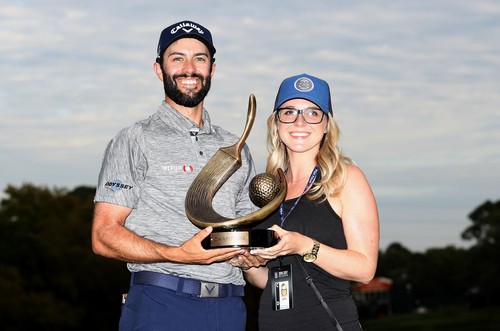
[
  {"x": 484, "y": 256},
  {"x": 49, "y": 277},
  {"x": 485, "y": 228}
]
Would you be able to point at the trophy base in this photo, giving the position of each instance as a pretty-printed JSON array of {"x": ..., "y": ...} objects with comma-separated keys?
[{"x": 244, "y": 238}]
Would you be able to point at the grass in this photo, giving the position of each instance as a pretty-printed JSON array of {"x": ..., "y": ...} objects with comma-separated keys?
[{"x": 456, "y": 319}]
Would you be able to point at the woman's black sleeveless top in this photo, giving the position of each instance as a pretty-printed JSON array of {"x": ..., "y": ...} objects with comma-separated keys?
[{"x": 319, "y": 221}]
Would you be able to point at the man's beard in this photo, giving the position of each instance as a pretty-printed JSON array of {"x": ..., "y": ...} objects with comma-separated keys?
[{"x": 190, "y": 99}]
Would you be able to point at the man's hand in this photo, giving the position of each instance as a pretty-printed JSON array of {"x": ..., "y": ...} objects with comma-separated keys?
[
  {"x": 192, "y": 252},
  {"x": 246, "y": 261}
]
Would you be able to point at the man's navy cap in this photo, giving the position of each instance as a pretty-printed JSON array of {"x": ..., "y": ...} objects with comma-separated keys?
[
  {"x": 184, "y": 29},
  {"x": 305, "y": 87}
]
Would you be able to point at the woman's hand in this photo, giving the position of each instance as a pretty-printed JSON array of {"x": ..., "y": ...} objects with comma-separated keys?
[{"x": 289, "y": 243}]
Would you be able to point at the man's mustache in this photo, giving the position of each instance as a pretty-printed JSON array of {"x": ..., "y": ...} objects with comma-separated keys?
[{"x": 188, "y": 76}]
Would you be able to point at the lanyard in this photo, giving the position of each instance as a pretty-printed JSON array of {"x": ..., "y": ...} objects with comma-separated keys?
[{"x": 314, "y": 173}]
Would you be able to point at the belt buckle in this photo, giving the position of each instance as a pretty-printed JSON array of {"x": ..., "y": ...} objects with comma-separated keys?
[{"x": 209, "y": 290}]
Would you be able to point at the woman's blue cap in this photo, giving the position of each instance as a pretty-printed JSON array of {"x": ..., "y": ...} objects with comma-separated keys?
[{"x": 306, "y": 87}]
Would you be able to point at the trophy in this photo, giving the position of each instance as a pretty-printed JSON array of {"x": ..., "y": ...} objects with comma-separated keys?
[{"x": 266, "y": 191}]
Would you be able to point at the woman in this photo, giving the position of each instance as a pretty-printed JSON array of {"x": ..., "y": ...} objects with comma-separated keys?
[{"x": 327, "y": 224}]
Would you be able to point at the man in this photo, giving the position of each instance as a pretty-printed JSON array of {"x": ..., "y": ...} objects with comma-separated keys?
[{"x": 139, "y": 204}]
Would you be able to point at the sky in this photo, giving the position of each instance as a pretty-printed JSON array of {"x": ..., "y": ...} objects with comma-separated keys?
[{"x": 415, "y": 90}]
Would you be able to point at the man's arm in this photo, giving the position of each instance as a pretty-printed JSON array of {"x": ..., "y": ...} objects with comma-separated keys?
[{"x": 110, "y": 238}]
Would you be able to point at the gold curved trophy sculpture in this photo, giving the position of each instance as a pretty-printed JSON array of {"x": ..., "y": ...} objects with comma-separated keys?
[{"x": 198, "y": 203}]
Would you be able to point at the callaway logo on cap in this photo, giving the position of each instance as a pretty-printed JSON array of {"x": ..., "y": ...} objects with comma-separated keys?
[{"x": 184, "y": 29}]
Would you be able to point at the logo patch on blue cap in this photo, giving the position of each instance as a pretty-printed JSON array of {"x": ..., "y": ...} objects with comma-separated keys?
[{"x": 303, "y": 84}]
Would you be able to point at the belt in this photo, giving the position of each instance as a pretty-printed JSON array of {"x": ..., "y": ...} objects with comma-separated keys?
[{"x": 188, "y": 286}]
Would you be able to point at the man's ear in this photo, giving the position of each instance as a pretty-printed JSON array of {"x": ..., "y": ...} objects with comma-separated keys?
[
  {"x": 212, "y": 72},
  {"x": 157, "y": 69}
]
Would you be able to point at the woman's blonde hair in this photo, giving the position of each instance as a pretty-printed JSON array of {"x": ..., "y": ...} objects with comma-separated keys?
[{"x": 330, "y": 160}]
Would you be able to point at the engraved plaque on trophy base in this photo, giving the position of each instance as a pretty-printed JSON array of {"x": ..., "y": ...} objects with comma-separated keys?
[{"x": 244, "y": 238}]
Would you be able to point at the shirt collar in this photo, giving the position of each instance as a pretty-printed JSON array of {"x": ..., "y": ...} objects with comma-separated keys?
[{"x": 181, "y": 123}]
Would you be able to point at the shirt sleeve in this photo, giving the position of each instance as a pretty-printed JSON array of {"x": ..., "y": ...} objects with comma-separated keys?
[{"x": 123, "y": 169}]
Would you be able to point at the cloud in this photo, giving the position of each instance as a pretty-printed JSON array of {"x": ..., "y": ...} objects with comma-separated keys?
[{"x": 414, "y": 86}]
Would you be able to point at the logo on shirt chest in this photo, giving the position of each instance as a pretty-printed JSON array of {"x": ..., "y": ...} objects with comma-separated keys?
[{"x": 178, "y": 168}]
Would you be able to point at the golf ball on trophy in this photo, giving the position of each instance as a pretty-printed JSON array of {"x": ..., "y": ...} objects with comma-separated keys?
[{"x": 263, "y": 189}]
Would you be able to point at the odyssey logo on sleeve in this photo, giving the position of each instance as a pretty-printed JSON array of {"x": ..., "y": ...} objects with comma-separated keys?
[{"x": 117, "y": 185}]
